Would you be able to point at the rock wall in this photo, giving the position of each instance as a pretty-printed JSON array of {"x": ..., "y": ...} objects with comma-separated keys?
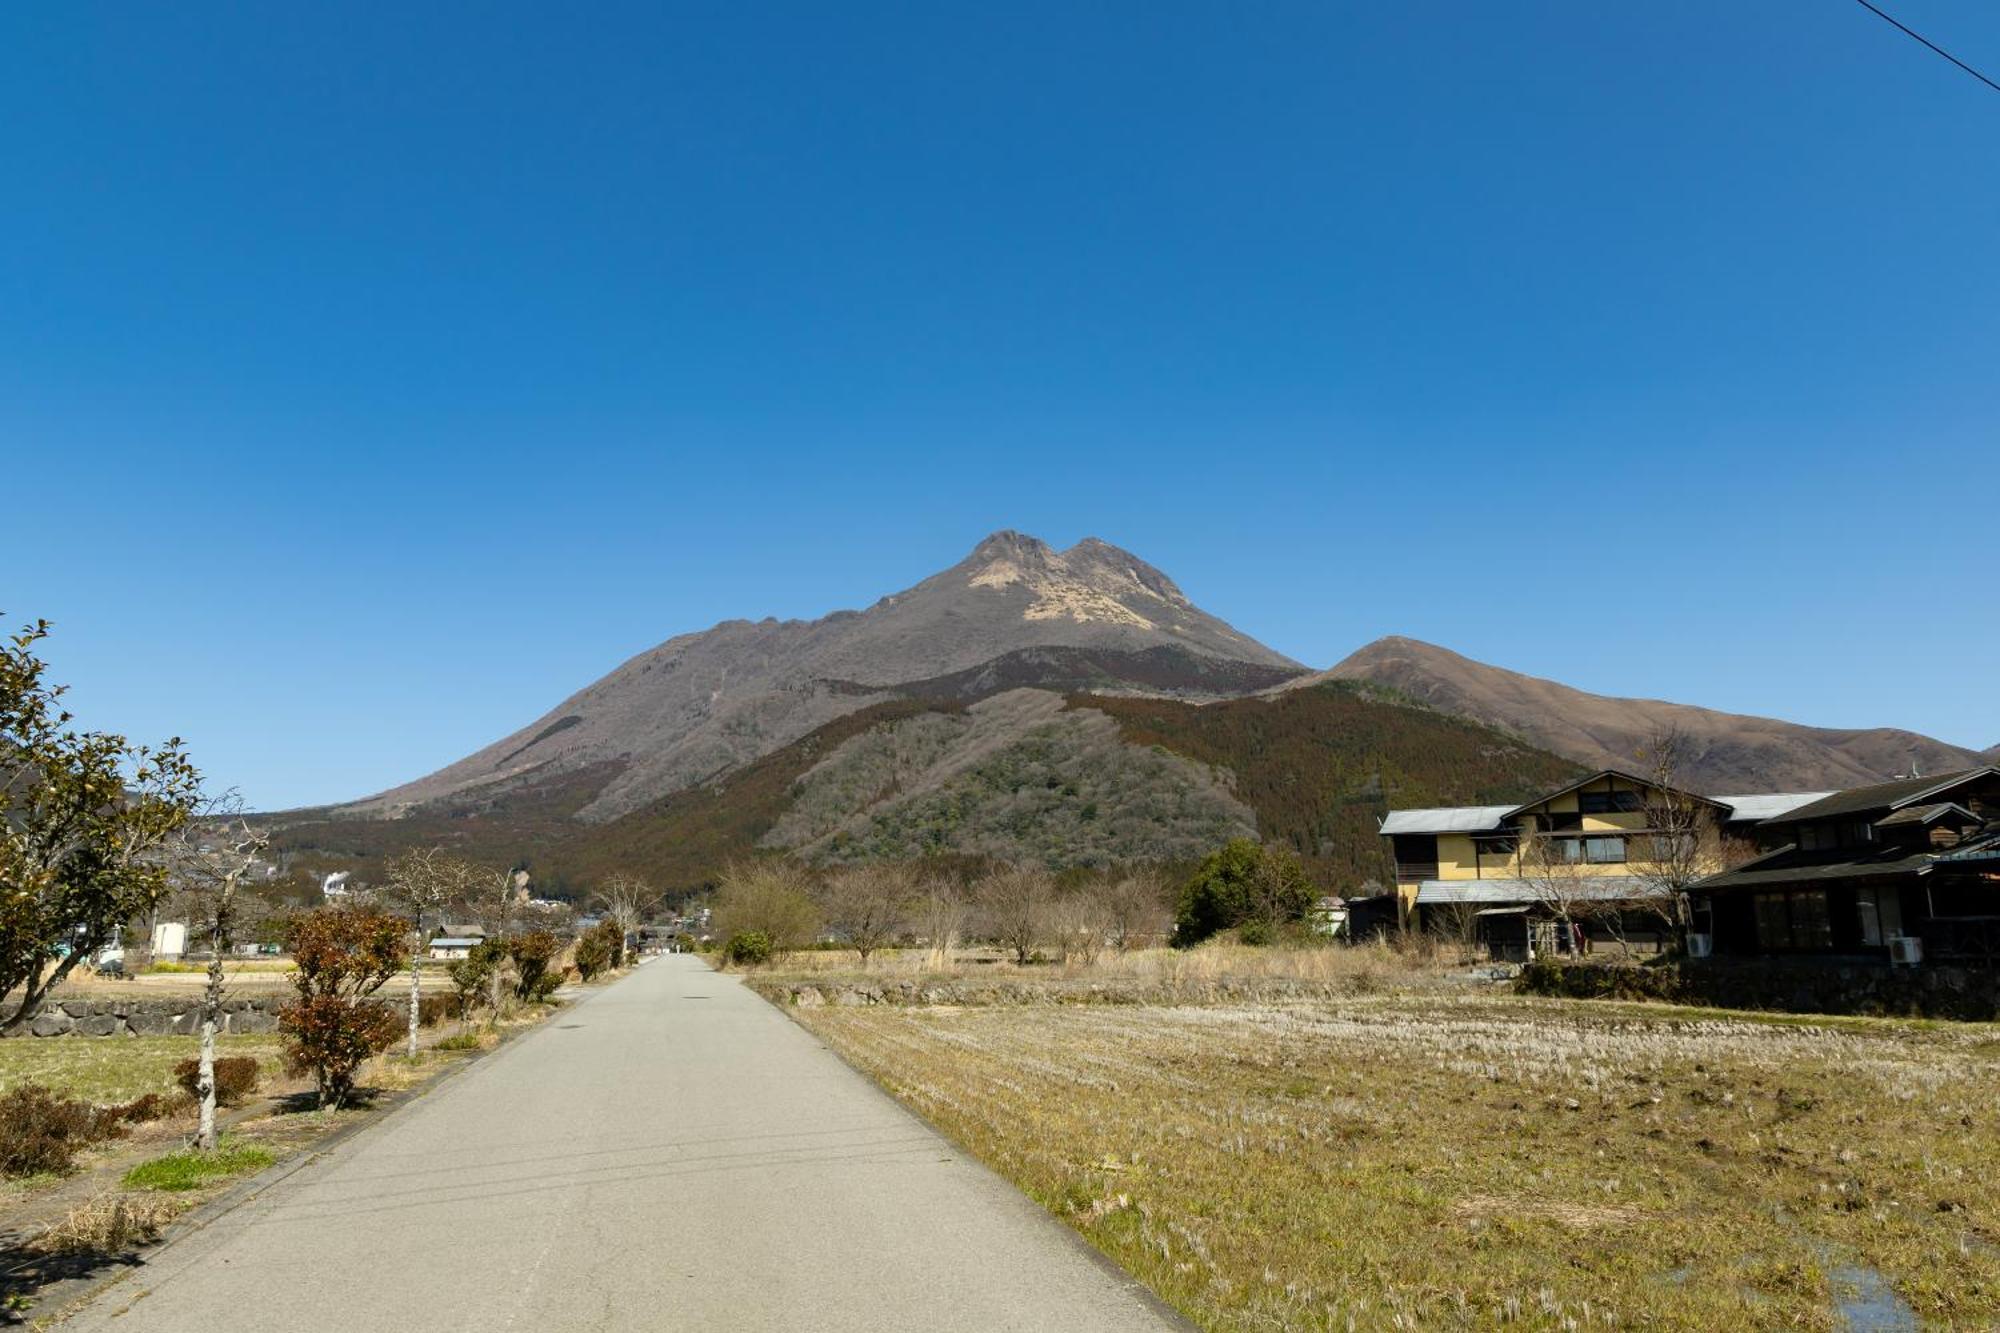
[
  {"x": 1801, "y": 986},
  {"x": 149, "y": 1018}
]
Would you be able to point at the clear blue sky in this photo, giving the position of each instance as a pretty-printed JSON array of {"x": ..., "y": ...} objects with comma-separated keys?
[{"x": 371, "y": 376}]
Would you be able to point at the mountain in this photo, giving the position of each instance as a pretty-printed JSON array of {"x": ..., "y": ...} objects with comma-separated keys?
[
  {"x": 1069, "y": 781},
  {"x": 1732, "y": 752},
  {"x": 1013, "y": 612}
]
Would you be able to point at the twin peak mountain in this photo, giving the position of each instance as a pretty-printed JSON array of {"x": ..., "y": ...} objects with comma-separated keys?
[{"x": 1017, "y": 613}]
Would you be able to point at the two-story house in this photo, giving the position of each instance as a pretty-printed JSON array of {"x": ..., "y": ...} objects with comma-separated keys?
[{"x": 1548, "y": 874}]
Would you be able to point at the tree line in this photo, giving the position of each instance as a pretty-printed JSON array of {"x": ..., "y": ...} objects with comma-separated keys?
[{"x": 774, "y": 906}]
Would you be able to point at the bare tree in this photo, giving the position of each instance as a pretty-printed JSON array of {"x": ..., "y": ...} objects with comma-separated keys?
[
  {"x": 1457, "y": 923},
  {"x": 941, "y": 909},
  {"x": 1684, "y": 840},
  {"x": 424, "y": 881},
  {"x": 1137, "y": 904},
  {"x": 1555, "y": 875},
  {"x": 1081, "y": 923},
  {"x": 208, "y": 863},
  {"x": 769, "y": 896},
  {"x": 1014, "y": 905},
  {"x": 870, "y": 904},
  {"x": 629, "y": 901}
]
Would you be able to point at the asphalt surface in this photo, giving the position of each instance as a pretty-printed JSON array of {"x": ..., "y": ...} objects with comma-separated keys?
[{"x": 669, "y": 1153}]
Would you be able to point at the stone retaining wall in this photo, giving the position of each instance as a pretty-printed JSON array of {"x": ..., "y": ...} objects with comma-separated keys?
[
  {"x": 1803, "y": 986},
  {"x": 149, "y": 1018}
]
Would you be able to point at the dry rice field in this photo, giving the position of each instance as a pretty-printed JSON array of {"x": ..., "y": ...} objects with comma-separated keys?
[{"x": 1398, "y": 1161}]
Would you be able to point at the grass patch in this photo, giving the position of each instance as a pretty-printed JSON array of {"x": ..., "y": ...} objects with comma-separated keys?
[
  {"x": 113, "y": 1069},
  {"x": 189, "y": 1169},
  {"x": 1440, "y": 1161}
]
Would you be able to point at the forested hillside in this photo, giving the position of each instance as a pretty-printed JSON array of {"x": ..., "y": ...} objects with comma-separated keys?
[
  {"x": 1024, "y": 775},
  {"x": 1319, "y": 766}
]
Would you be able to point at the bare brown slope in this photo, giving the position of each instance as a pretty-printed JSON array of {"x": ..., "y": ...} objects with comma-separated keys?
[
  {"x": 704, "y": 704},
  {"x": 1733, "y": 752}
]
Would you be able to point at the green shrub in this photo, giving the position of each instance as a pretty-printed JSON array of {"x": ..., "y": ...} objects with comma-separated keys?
[
  {"x": 471, "y": 973},
  {"x": 1256, "y": 934},
  {"x": 598, "y": 949},
  {"x": 460, "y": 1041},
  {"x": 42, "y": 1132},
  {"x": 747, "y": 948},
  {"x": 1242, "y": 882},
  {"x": 235, "y": 1078}
]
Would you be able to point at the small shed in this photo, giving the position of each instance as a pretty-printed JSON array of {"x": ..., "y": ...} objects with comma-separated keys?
[{"x": 451, "y": 948}]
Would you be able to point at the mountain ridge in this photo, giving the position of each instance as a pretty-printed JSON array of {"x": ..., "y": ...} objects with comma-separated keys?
[{"x": 1730, "y": 752}]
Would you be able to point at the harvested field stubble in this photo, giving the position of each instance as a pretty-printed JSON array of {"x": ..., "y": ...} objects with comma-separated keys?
[{"x": 1428, "y": 1161}]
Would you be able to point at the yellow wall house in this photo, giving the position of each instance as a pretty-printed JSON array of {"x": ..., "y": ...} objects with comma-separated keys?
[{"x": 1607, "y": 856}]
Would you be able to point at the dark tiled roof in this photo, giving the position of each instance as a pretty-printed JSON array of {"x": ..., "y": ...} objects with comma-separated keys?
[
  {"x": 1881, "y": 796},
  {"x": 1922, "y": 814},
  {"x": 1788, "y": 866}
]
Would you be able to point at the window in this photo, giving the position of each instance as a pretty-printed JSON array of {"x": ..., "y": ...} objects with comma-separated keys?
[
  {"x": 1774, "y": 921},
  {"x": 1881, "y": 912},
  {"x": 1592, "y": 851},
  {"x": 1604, "y": 851},
  {"x": 1564, "y": 822},
  {"x": 1502, "y": 846},
  {"x": 1610, "y": 802},
  {"x": 1671, "y": 847},
  {"x": 1793, "y": 921},
  {"x": 1817, "y": 838}
]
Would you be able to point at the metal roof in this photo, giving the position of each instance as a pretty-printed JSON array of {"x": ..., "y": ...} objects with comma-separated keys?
[
  {"x": 1446, "y": 819},
  {"x": 1769, "y": 805},
  {"x": 446, "y": 942},
  {"x": 1603, "y": 888}
]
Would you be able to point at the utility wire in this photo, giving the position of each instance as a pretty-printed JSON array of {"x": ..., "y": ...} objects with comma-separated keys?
[{"x": 1931, "y": 44}]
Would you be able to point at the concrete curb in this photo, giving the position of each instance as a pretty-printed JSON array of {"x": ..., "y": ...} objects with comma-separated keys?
[{"x": 62, "y": 1299}]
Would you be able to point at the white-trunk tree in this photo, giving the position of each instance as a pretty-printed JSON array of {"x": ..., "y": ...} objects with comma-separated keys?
[
  {"x": 209, "y": 863},
  {"x": 423, "y": 882}
]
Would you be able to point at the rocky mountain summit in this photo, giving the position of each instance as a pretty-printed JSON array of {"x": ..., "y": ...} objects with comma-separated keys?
[{"x": 1016, "y": 610}]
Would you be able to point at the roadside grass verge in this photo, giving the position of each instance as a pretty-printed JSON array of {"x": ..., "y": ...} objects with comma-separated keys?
[
  {"x": 1430, "y": 1161},
  {"x": 188, "y": 1169},
  {"x": 114, "y": 1069}
]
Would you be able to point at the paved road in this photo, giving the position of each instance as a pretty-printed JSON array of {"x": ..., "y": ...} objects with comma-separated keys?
[{"x": 670, "y": 1153}]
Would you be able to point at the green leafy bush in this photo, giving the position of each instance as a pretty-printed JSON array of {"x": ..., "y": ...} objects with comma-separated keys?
[
  {"x": 235, "y": 1078},
  {"x": 747, "y": 948},
  {"x": 460, "y": 1041},
  {"x": 471, "y": 973},
  {"x": 1242, "y": 882},
  {"x": 41, "y": 1132}
]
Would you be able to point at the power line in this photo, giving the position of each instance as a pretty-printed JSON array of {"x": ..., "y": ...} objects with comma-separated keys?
[{"x": 1931, "y": 44}]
